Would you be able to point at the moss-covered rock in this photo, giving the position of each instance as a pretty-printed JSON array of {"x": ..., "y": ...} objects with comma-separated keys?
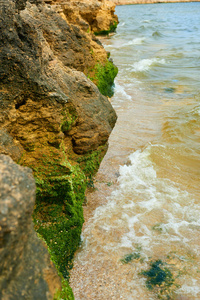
[
  {"x": 61, "y": 180},
  {"x": 58, "y": 213},
  {"x": 61, "y": 183},
  {"x": 103, "y": 76},
  {"x": 111, "y": 29},
  {"x": 66, "y": 293}
]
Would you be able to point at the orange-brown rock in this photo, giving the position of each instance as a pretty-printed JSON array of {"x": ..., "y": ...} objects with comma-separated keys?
[
  {"x": 97, "y": 15},
  {"x": 38, "y": 87}
]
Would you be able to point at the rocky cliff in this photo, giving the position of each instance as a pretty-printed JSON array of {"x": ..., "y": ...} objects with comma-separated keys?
[
  {"x": 97, "y": 16},
  {"x": 53, "y": 118}
]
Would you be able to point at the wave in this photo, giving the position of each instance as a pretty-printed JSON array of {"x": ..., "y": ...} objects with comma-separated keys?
[
  {"x": 144, "y": 205},
  {"x": 120, "y": 92},
  {"x": 146, "y": 21},
  {"x": 122, "y": 44},
  {"x": 157, "y": 34},
  {"x": 145, "y": 64},
  {"x": 182, "y": 125},
  {"x": 121, "y": 24},
  {"x": 136, "y": 41}
]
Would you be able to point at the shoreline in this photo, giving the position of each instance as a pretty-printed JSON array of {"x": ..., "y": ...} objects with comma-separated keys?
[{"x": 135, "y": 2}]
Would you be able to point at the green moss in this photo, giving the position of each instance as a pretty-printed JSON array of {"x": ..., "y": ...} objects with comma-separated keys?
[
  {"x": 69, "y": 119},
  {"x": 29, "y": 147},
  {"x": 66, "y": 292},
  {"x": 112, "y": 28},
  {"x": 89, "y": 163},
  {"x": 60, "y": 192},
  {"x": 58, "y": 214},
  {"x": 103, "y": 76}
]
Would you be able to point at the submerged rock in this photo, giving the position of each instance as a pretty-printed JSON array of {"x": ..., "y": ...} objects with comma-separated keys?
[{"x": 25, "y": 267}]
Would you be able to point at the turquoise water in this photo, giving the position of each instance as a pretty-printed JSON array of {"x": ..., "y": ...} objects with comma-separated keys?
[{"x": 153, "y": 211}]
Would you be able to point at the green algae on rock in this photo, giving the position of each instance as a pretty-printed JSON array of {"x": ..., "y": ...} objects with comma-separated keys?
[
  {"x": 58, "y": 215},
  {"x": 66, "y": 293},
  {"x": 111, "y": 29},
  {"x": 103, "y": 76},
  {"x": 97, "y": 16}
]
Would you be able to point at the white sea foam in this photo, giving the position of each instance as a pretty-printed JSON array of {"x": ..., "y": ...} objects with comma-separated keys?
[
  {"x": 197, "y": 110},
  {"x": 121, "y": 93},
  {"x": 123, "y": 43},
  {"x": 142, "y": 202},
  {"x": 193, "y": 289},
  {"x": 121, "y": 24},
  {"x": 146, "y": 21},
  {"x": 145, "y": 64},
  {"x": 145, "y": 212},
  {"x": 136, "y": 41}
]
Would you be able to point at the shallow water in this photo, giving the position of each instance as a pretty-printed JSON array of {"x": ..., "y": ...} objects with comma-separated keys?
[{"x": 153, "y": 211}]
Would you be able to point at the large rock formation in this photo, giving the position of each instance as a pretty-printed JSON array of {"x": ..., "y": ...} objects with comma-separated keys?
[
  {"x": 37, "y": 46},
  {"x": 54, "y": 119},
  {"x": 97, "y": 15},
  {"x": 26, "y": 271}
]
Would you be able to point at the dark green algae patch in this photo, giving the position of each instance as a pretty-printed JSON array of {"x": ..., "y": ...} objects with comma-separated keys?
[
  {"x": 161, "y": 280},
  {"x": 111, "y": 29},
  {"x": 103, "y": 74},
  {"x": 61, "y": 181},
  {"x": 58, "y": 214},
  {"x": 161, "y": 276}
]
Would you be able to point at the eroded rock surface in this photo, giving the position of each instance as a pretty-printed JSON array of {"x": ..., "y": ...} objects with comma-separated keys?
[
  {"x": 25, "y": 268},
  {"x": 97, "y": 15},
  {"x": 37, "y": 87}
]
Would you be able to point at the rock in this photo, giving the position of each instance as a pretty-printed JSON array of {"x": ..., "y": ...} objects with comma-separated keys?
[
  {"x": 97, "y": 15},
  {"x": 37, "y": 46},
  {"x": 53, "y": 119},
  {"x": 25, "y": 268},
  {"x": 10, "y": 147}
]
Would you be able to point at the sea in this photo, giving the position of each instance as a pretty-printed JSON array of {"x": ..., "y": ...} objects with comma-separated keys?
[{"x": 142, "y": 239}]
